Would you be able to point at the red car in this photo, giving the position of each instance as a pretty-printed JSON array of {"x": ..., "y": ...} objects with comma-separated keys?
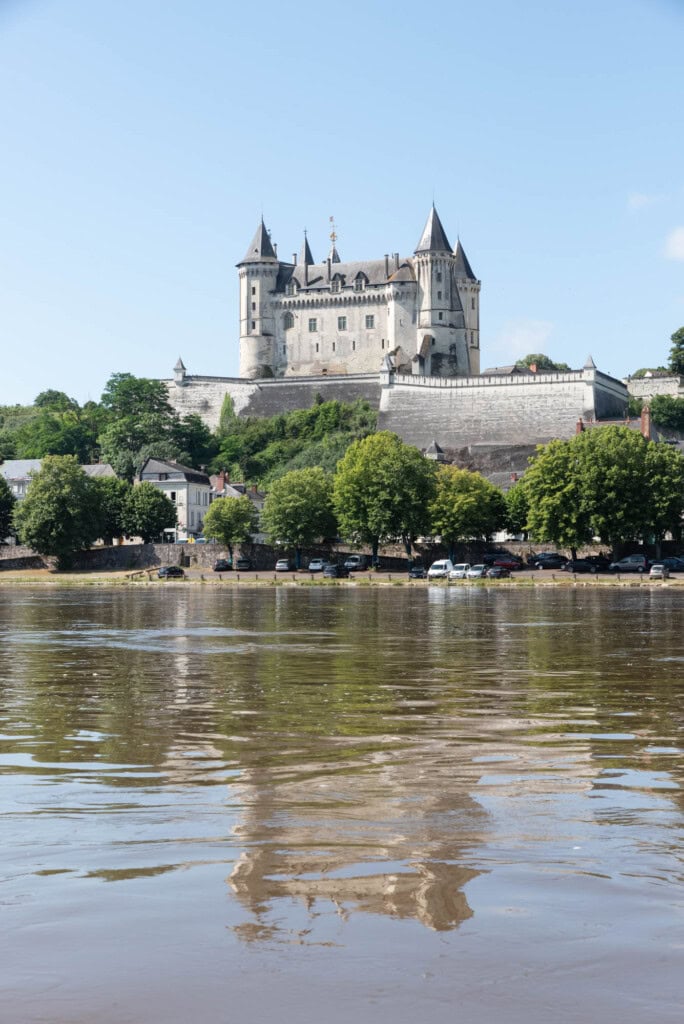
[{"x": 509, "y": 562}]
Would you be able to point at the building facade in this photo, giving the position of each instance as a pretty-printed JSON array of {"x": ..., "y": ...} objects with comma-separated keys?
[
  {"x": 188, "y": 489},
  {"x": 304, "y": 318}
]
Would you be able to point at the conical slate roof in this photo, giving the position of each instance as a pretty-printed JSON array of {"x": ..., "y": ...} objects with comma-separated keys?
[
  {"x": 305, "y": 258},
  {"x": 434, "y": 237},
  {"x": 179, "y": 365},
  {"x": 461, "y": 264},
  {"x": 260, "y": 248},
  {"x": 334, "y": 255}
]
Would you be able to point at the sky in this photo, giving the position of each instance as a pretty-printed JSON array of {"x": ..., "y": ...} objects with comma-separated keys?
[{"x": 142, "y": 140}]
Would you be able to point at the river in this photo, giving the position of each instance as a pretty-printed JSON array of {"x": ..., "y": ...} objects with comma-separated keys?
[{"x": 331, "y": 804}]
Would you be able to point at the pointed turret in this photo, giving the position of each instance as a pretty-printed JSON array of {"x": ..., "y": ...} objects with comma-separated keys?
[
  {"x": 590, "y": 364},
  {"x": 260, "y": 248},
  {"x": 434, "y": 237},
  {"x": 305, "y": 258},
  {"x": 334, "y": 255},
  {"x": 462, "y": 267}
]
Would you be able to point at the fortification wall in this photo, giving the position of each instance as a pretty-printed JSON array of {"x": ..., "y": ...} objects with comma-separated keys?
[
  {"x": 205, "y": 395},
  {"x": 513, "y": 410},
  {"x": 647, "y": 387}
]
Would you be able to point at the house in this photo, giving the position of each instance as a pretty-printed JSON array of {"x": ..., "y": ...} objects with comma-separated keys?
[
  {"x": 18, "y": 473},
  {"x": 189, "y": 489}
]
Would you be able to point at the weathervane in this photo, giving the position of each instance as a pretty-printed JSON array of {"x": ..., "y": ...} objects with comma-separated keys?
[{"x": 333, "y": 233}]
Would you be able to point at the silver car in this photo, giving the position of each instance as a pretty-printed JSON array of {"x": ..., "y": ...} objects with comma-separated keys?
[
  {"x": 459, "y": 571},
  {"x": 476, "y": 572}
]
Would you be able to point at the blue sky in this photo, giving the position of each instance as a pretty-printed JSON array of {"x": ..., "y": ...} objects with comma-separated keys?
[{"x": 141, "y": 140}]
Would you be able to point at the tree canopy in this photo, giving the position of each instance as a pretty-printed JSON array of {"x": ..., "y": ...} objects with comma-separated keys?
[
  {"x": 677, "y": 352},
  {"x": 382, "y": 491},
  {"x": 6, "y": 509},
  {"x": 148, "y": 512},
  {"x": 60, "y": 514},
  {"x": 465, "y": 506},
  {"x": 231, "y": 521},
  {"x": 299, "y": 510},
  {"x": 542, "y": 362}
]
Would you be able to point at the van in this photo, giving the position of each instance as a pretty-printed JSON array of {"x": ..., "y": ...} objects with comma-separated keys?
[
  {"x": 355, "y": 563},
  {"x": 440, "y": 570}
]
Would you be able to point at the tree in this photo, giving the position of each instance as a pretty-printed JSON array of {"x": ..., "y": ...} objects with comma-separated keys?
[
  {"x": 676, "y": 364},
  {"x": 553, "y": 490},
  {"x": 140, "y": 420},
  {"x": 644, "y": 371},
  {"x": 382, "y": 491},
  {"x": 517, "y": 507},
  {"x": 55, "y": 400},
  {"x": 664, "y": 497},
  {"x": 112, "y": 496},
  {"x": 542, "y": 362},
  {"x": 231, "y": 521},
  {"x": 465, "y": 506},
  {"x": 298, "y": 509},
  {"x": 59, "y": 515},
  {"x": 193, "y": 436},
  {"x": 125, "y": 395},
  {"x": 667, "y": 411},
  {"x": 7, "y": 502},
  {"x": 148, "y": 512}
]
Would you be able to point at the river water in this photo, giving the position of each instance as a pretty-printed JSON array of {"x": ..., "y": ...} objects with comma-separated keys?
[{"x": 324, "y": 804}]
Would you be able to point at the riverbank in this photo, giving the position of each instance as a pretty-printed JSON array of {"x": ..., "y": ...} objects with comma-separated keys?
[{"x": 196, "y": 577}]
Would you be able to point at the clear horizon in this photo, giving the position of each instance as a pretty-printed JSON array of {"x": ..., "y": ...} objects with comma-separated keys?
[{"x": 143, "y": 142}]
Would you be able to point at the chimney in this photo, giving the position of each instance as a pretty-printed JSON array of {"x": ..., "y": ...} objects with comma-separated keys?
[
  {"x": 533, "y": 367},
  {"x": 328, "y": 262},
  {"x": 396, "y": 261},
  {"x": 579, "y": 426},
  {"x": 386, "y": 265},
  {"x": 294, "y": 259},
  {"x": 275, "y": 249},
  {"x": 646, "y": 422},
  {"x": 514, "y": 477}
]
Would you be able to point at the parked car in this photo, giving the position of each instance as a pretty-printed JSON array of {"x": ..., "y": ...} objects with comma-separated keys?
[
  {"x": 335, "y": 570},
  {"x": 459, "y": 571},
  {"x": 548, "y": 560},
  {"x": 476, "y": 572},
  {"x": 498, "y": 572},
  {"x": 356, "y": 563},
  {"x": 579, "y": 565},
  {"x": 673, "y": 563},
  {"x": 417, "y": 572},
  {"x": 440, "y": 570},
  {"x": 223, "y": 565},
  {"x": 170, "y": 572},
  {"x": 511, "y": 562},
  {"x": 283, "y": 565},
  {"x": 491, "y": 556},
  {"x": 659, "y": 571},
  {"x": 632, "y": 563},
  {"x": 316, "y": 565},
  {"x": 243, "y": 564},
  {"x": 600, "y": 561}
]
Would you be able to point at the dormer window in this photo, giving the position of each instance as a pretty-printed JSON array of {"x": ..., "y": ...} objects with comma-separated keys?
[
  {"x": 291, "y": 288},
  {"x": 360, "y": 282},
  {"x": 335, "y": 285}
]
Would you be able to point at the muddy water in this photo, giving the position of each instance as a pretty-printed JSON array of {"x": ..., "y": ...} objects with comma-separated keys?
[{"x": 305, "y": 805}]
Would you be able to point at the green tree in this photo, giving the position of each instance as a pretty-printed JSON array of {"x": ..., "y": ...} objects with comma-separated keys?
[
  {"x": 553, "y": 488},
  {"x": 193, "y": 436},
  {"x": 139, "y": 421},
  {"x": 55, "y": 400},
  {"x": 667, "y": 411},
  {"x": 676, "y": 364},
  {"x": 148, "y": 512},
  {"x": 383, "y": 489},
  {"x": 542, "y": 362},
  {"x": 298, "y": 509},
  {"x": 517, "y": 507},
  {"x": 7, "y": 502},
  {"x": 231, "y": 521},
  {"x": 664, "y": 497},
  {"x": 55, "y": 432},
  {"x": 465, "y": 506},
  {"x": 59, "y": 515},
  {"x": 643, "y": 370},
  {"x": 112, "y": 497},
  {"x": 125, "y": 395}
]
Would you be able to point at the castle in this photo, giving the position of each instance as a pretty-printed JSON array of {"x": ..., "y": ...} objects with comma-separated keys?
[
  {"x": 401, "y": 332},
  {"x": 303, "y": 318}
]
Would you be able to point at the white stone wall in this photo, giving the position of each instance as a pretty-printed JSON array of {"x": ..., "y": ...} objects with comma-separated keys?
[{"x": 647, "y": 387}]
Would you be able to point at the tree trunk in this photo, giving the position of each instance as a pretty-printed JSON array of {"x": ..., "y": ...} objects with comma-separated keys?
[
  {"x": 298, "y": 558},
  {"x": 573, "y": 552},
  {"x": 407, "y": 549},
  {"x": 374, "y": 549}
]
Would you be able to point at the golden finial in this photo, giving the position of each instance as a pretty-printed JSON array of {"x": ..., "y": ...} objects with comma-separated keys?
[{"x": 333, "y": 233}]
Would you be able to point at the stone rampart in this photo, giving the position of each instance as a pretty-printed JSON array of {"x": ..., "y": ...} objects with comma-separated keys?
[
  {"x": 512, "y": 410},
  {"x": 649, "y": 387}
]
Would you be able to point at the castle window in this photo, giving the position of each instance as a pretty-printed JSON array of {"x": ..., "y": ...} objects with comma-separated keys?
[
  {"x": 441, "y": 316},
  {"x": 360, "y": 282},
  {"x": 353, "y": 346},
  {"x": 253, "y": 290},
  {"x": 317, "y": 346},
  {"x": 335, "y": 286},
  {"x": 288, "y": 321},
  {"x": 341, "y": 323},
  {"x": 439, "y": 295},
  {"x": 291, "y": 288},
  {"x": 253, "y": 307},
  {"x": 253, "y": 325},
  {"x": 333, "y": 346},
  {"x": 313, "y": 325},
  {"x": 284, "y": 350},
  {"x": 439, "y": 275},
  {"x": 472, "y": 303},
  {"x": 370, "y": 323}
]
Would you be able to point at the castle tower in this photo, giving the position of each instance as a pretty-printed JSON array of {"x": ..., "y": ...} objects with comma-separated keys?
[
  {"x": 469, "y": 292},
  {"x": 258, "y": 273},
  {"x": 442, "y": 349}
]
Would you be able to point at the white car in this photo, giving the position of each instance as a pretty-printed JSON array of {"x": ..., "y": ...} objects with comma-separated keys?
[
  {"x": 659, "y": 571},
  {"x": 476, "y": 572},
  {"x": 440, "y": 570},
  {"x": 316, "y": 565},
  {"x": 459, "y": 571}
]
